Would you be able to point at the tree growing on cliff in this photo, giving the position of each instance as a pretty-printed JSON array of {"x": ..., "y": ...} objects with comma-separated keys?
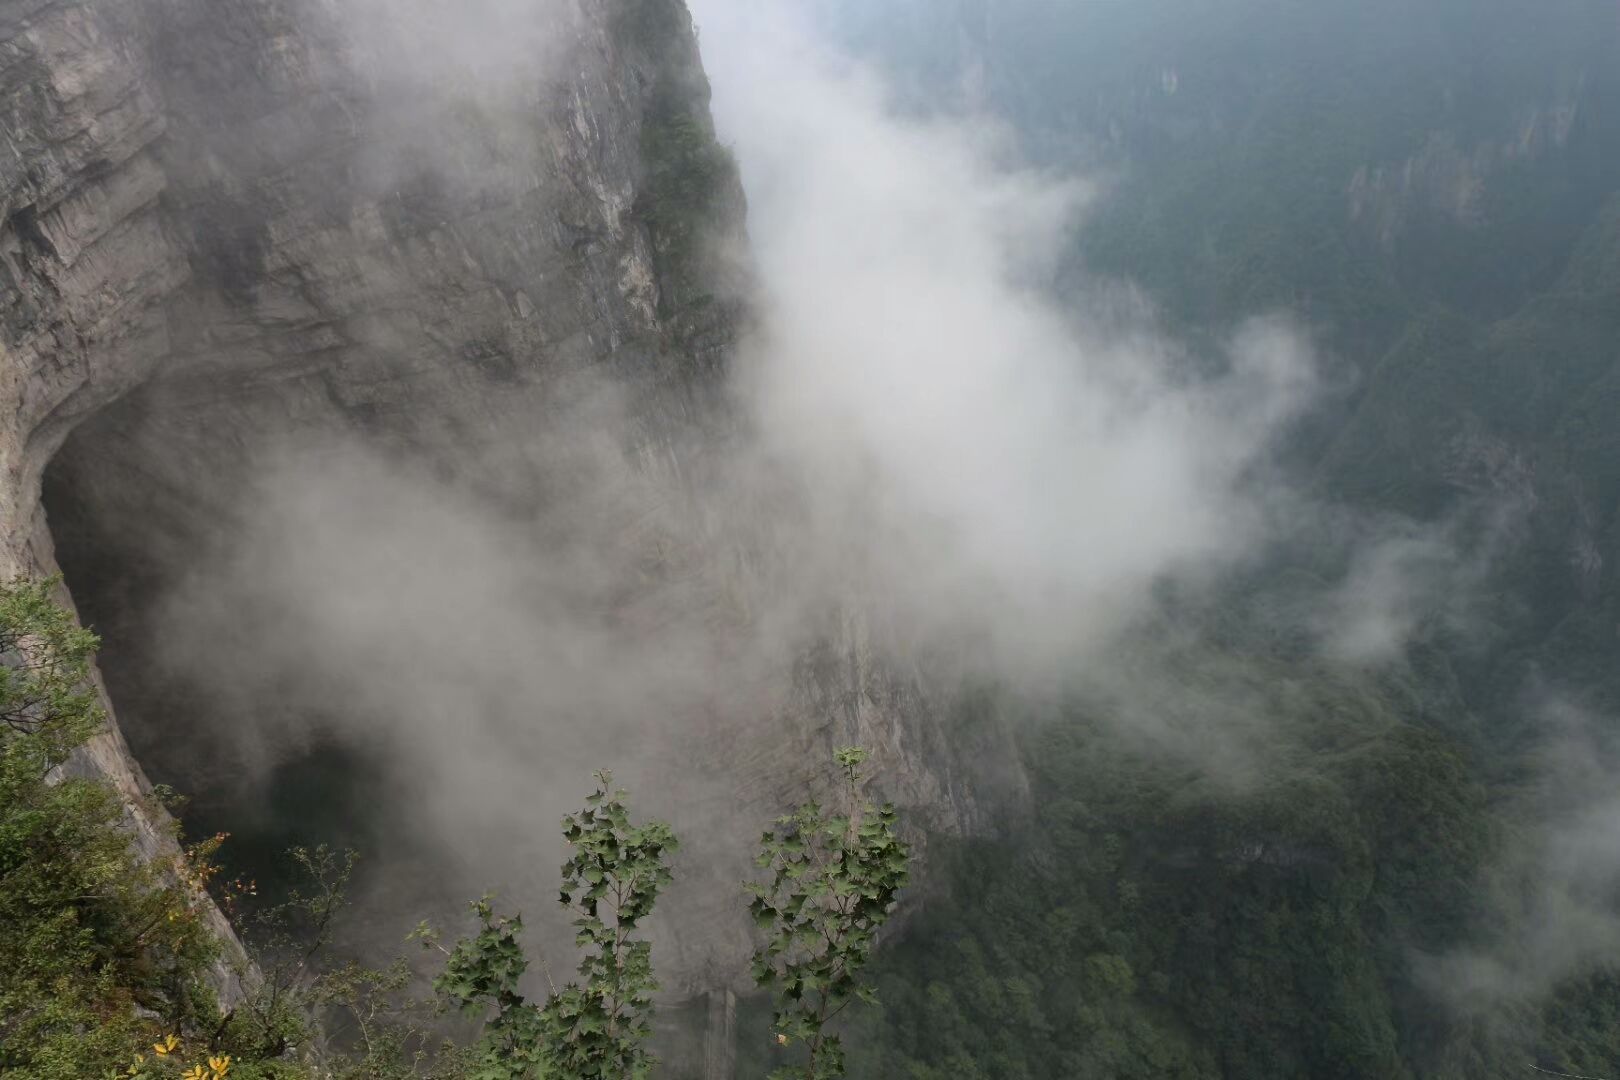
[
  {"x": 102, "y": 950},
  {"x": 835, "y": 876},
  {"x": 596, "y": 1029}
]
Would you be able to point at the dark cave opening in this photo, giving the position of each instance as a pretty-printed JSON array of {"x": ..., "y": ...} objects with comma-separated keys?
[
  {"x": 140, "y": 497},
  {"x": 133, "y": 507},
  {"x": 126, "y": 528}
]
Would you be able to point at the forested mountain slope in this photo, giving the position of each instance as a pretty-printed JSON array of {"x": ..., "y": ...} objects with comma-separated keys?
[{"x": 1413, "y": 875}]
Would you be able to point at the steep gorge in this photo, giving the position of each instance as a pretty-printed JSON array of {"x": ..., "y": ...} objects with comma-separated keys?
[{"x": 231, "y": 233}]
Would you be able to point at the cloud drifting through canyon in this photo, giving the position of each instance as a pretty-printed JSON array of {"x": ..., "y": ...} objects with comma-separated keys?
[
  {"x": 928, "y": 454},
  {"x": 972, "y": 448},
  {"x": 946, "y": 452}
]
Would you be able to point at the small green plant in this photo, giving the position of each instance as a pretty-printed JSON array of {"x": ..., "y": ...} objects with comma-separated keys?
[
  {"x": 595, "y": 1029},
  {"x": 305, "y": 1017},
  {"x": 287, "y": 939},
  {"x": 835, "y": 878}
]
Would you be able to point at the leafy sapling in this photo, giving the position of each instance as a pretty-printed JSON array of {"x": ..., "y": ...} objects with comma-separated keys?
[
  {"x": 835, "y": 877},
  {"x": 595, "y": 1029}
]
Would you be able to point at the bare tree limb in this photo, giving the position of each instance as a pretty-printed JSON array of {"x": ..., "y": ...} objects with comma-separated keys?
[{"x": 1567, "y": 1076}]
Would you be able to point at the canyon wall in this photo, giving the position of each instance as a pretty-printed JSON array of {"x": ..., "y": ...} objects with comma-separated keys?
[{"x": 231, "y": 225}]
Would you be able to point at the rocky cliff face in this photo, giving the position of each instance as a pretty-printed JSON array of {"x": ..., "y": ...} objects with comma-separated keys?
[
  {"x": 229, "y": 224},
  {"x": 204, "y": 197}
]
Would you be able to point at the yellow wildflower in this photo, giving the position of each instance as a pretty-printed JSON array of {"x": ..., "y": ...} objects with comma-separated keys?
[
  {"x": 220, "y": 1065},
  {"x": 168, "y": 1046},
  {"x": 196, "y": 1072}
]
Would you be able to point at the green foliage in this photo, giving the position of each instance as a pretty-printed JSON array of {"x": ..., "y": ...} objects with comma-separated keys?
[
  {"x": 46, "y": 701},
  {"x": 597, "y": 1028},
  {"x": 482, "y": 975},
  {"x": 1150, "y": 921},
  {"x": 688, "y": 194},
  {"x": 650, "y": 24},
  {"x": 108, "y": 955},
  {"x": 102, "y": 950},
  {"x": 394, "y": 1034},
  {"x": 287, "y": 937},
  {"x": 690, "y": 197},
  {"x": 351, "y": 1021},
  {"x": 835, "y": 878}
]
